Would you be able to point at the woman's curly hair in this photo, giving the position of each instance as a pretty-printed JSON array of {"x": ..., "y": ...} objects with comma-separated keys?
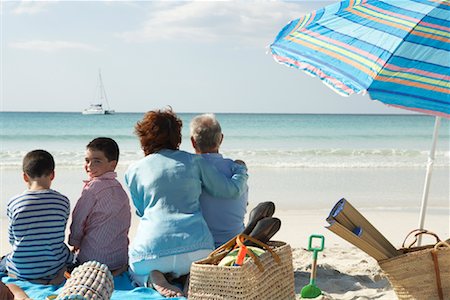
[{"x": 159, "y": 129}]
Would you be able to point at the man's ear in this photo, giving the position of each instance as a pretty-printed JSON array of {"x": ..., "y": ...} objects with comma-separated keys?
[
  {"x": 221, "y": 140},
  {"x": 194, "y": 144},
  {"x": 52, "y": 175}
]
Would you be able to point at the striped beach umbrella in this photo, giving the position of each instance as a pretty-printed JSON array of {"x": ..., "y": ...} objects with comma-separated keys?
[{"x": 398, "y": 51}]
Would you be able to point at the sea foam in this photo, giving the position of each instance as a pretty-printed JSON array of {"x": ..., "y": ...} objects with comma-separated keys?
[{"x": 301, "y": 158}]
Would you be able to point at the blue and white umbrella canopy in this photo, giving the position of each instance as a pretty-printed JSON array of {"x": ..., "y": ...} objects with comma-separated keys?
[{"x": 396, "y": 50}]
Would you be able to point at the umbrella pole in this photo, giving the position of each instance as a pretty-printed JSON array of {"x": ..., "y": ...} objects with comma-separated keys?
[{"x": 426, "y": 188}]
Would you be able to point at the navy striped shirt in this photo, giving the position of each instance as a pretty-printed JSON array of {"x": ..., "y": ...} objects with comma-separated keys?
[{"x": 37, "y": 223}]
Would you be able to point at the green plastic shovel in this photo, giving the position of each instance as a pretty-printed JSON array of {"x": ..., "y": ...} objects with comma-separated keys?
[{"x": 311, "y": 290}]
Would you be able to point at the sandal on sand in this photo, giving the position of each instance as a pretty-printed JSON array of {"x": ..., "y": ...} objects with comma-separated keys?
[
  {"x": 262, "y": 210},
  {"x": 264, "y": 230}
]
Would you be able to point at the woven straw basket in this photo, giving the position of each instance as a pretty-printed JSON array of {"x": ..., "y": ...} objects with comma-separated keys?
[
  {"x": 268, "y": 277},
  {"x": 422, "y": 273}
]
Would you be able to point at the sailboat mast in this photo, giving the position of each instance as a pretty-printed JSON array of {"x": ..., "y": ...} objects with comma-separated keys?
[{"x": 102, "y": 89}]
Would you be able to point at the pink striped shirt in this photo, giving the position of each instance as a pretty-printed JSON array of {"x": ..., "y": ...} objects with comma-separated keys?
[{"x": 100, "y": 222}]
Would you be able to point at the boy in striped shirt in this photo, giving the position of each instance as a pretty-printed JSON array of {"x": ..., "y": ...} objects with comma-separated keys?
[{"x": 37, "y": 223}]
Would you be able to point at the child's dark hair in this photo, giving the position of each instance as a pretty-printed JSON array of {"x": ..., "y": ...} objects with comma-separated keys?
[
  {"x": 108, "y": 146},
  {"x": 38, "y": 163}
]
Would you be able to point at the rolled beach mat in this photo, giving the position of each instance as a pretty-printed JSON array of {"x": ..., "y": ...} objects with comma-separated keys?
[{"x": 90, "y": 281}]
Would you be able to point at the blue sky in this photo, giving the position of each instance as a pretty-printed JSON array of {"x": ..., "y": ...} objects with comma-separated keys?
[{"x": 202, "y": 56}]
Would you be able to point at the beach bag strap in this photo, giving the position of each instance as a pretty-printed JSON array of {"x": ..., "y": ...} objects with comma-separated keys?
[
  {"x": 417, "y": 233},
  {"x": 239, "y": 241},
  {"x": 227, "y": 247},
  {"x": 242, "y": 237},
  {"x": 436, "y": 267}
]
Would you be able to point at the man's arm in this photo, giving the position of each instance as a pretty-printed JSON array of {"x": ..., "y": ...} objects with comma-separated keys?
[{"x": 219, "y": 185}]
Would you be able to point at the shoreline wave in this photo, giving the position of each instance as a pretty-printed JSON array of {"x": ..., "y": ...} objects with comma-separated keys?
[{"x": 278, "y": 159}]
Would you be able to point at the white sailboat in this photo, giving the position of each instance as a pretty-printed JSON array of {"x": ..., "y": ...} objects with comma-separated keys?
[{"x": 96, "y": 108}]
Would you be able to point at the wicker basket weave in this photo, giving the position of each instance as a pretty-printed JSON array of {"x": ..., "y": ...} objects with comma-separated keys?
[
  {"x": 263, "y": 280},
  {"x": 416, "y": 275}
]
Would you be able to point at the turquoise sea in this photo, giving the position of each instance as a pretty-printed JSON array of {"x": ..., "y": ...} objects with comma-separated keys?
[{"x": 262, "y": 140}]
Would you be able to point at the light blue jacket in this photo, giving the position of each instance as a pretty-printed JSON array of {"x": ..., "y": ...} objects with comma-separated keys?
[
  {"x": 165, "y": 188},
  {"x": 225, "y": 218}
]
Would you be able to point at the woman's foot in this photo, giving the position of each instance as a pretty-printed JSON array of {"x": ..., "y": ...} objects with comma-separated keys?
[{"x": 162, "y": 286}]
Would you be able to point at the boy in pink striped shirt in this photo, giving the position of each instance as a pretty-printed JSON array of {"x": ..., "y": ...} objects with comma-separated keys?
[{"x": 101, "y": 218}]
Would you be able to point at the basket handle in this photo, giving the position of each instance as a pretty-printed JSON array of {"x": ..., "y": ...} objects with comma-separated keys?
[
  {"x": 441, "y": 244},
  {"x": 436, "y": 267},
  {"x": 242, "y": 237},
  {"x": 239, "y": 241},
  {"x": 417, "y": 233},
  {"x": 227, "y": 247}
]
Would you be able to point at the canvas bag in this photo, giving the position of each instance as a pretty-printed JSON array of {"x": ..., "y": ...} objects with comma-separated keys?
[
  {"x": 267, "y": 277},
  {"x": 421, "y": 272}
]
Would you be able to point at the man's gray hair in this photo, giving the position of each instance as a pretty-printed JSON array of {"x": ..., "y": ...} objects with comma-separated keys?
[{"x": 206, "y": 132}]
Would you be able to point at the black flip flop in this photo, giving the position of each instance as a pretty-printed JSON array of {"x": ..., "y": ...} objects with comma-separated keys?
[
  {"x": 262, "y": 210},
  {"x": 264, "y": 230}
]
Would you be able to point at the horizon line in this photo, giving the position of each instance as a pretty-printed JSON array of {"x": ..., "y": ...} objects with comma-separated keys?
[{"x": 217, "y": 113}]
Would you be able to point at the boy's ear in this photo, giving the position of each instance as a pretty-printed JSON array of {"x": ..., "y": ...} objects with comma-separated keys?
[
  {"x": 26, "y": 178},
  {"x": 52, "y": 175},
  {"x": 113, "y": 164}
]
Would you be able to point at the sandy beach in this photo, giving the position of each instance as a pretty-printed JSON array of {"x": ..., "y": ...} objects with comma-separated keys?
[{"x": 344, "y": 272}]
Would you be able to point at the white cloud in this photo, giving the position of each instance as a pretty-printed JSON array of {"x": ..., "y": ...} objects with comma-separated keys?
[
  {"x": 31, "y": 7},
  {"x": 52, "y": 46},
  {"x": 247, "y": 21}
]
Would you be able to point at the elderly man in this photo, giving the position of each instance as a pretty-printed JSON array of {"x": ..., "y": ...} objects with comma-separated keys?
[{"x": 225, "y": 217}]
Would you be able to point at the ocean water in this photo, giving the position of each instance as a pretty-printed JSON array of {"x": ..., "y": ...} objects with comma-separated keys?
[
  {"x": 262, "y": 140},
  {"x": 303, "y": 163}
]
